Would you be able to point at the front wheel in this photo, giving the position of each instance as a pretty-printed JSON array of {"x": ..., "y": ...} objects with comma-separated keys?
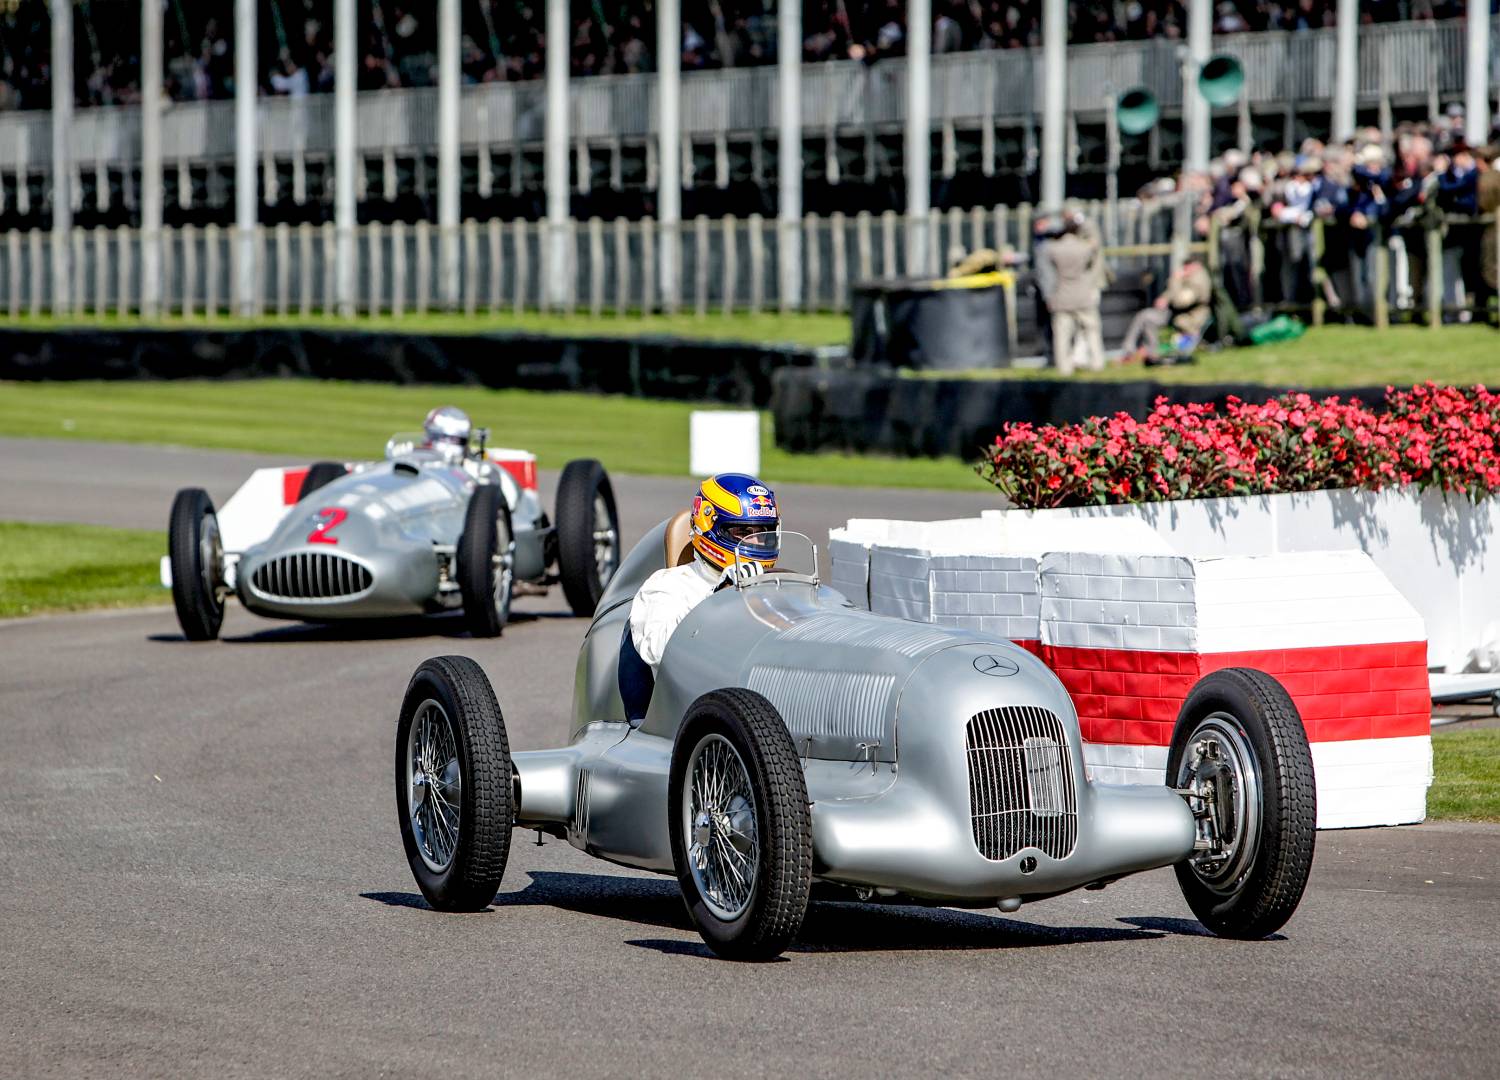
[
  {"x": 588, "y": 534},
  {"x": 453, "y": 784},
  {"x": 196, "y": 553},
  {"x": 485, "y": 562},
  {"x": 1239, "y": 752},
  {"x": 740, "y": 826}
]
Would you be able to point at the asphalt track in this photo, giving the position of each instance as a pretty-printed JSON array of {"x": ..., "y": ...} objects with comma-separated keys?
[{"x": 200, "y": 874}]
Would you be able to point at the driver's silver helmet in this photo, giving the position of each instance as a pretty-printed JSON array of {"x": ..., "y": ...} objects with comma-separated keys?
[{"x": 447, "y": 429}]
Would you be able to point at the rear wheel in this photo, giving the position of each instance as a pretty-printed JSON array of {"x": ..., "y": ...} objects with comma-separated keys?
[
  {"x": 320, "y": 473},
  {"x": 740, "y": 826},
  {"x": 485, "y": 562},
  {"x": 588, "y": 534},
  {"x": 1241, "y": 753},
  {"x": 453, "y": 784},
  {"x": 196, "y": 553}
]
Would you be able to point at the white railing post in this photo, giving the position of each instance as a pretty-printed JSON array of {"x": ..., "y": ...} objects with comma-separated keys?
[
  {"x": 789, "y": 153},
  {"x": 62, "y": 153},
  {"x": 345, "y": 53},
  {"x": 246, "y": 212},
  {"x": 151, "y": 192},
  {"x": 917, "y": 159},
  {"x": 448, "y": 160}
]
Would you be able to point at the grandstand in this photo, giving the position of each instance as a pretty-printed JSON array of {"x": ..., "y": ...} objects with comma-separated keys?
[{"x": 993, "y": 105}]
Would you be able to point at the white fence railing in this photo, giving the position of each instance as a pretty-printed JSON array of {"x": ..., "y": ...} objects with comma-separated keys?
[{"x": 724, "y": 264}]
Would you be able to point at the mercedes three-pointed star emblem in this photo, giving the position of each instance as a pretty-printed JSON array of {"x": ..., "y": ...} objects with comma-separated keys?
[{"x": 998, "y": 666}]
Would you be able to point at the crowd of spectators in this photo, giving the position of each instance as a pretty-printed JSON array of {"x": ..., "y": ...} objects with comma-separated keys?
[
  {"x": 1363, "y": 193},
  {"x": 505, "y": 40}
]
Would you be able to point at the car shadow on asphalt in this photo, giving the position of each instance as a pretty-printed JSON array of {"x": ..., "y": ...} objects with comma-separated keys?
[
  {"x": 417, "y": 626},
  {"x": 829, "y": 927}
]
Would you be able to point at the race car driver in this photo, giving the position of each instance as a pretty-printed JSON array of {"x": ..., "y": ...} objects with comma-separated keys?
[
  {"x": 731, "y": 512},
  {"x": 447, "y": 431}
]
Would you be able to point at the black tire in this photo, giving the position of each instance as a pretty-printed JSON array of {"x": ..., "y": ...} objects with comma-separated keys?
[
  {"x": 1258, "y": 898},
  {"x": 777, "y": 904},
  {"x": 197, "y": 559},
  {"x": 318, "y": 474},
  {"x": 583, "y": 492},
  {"x": 468, "y": 880},
  {"x": 485, "y": 584}
]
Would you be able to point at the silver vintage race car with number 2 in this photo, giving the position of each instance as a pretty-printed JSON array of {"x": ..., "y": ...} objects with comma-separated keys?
[
  {"x": 429, "y": 529},
  {"x": 789, "y": 739}
]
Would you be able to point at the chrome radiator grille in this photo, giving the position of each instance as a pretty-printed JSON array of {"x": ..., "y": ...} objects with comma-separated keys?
[
  {"x": 1021, "y": 791},
  {"x": 310, "y": 575}
]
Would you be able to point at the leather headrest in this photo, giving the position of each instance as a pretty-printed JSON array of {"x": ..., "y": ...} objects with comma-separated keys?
[{"x": 678, "y": 540}]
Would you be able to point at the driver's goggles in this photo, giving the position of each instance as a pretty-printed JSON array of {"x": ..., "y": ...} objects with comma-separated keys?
[{"x": 752, "y": 539}]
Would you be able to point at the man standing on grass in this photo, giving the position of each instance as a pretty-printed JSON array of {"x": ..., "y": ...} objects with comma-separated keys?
[{"x": 1074, "y": 260}]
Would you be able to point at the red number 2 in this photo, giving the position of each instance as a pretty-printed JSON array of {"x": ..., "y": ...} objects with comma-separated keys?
[{"x": 322, "y": 533}]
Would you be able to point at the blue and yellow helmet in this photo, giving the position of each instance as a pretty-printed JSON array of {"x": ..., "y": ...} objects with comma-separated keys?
[{"x": 734, "y": 511}]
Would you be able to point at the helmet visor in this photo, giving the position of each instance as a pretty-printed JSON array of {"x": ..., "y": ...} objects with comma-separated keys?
[{"x": 752, "y": 541}]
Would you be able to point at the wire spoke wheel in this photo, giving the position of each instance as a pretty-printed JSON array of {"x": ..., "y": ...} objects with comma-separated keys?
[
  {"x": 434, "y": 785},
  {"x": 718, "y": 808}
]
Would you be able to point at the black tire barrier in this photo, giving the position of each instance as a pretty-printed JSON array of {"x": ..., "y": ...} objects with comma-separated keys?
[
  {"x": 654, "y": 367},
  {"x": 923, "y": 324},
  {"x": 866, "y": 411}
]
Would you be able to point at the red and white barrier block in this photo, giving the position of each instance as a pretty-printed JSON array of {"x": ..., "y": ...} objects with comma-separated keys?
[{"x": 1130, "y": 635}]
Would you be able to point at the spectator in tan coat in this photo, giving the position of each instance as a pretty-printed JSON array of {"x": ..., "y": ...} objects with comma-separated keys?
[{"x": 1074, "y": 264}]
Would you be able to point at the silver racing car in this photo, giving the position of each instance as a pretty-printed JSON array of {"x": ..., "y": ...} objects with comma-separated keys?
[
  {"x": 789, "y": 739},
  {"x": 429, "y": 529}
]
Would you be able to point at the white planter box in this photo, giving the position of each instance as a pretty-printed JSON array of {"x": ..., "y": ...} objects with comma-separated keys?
[{"x": 1440, "y": 553}]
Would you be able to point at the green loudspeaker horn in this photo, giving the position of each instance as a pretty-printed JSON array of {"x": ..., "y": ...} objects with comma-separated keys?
[
  {"x": 1136, "y": 111},
  {"x": 1221, "y": 79}
]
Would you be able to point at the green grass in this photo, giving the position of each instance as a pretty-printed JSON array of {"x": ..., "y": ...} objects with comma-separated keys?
[
  {"x": 1466, "y": 775},
  {"x": 70, "y": 567},
  {"x": 307, "y": 420},
  {"x": 1327, "y": 356},
  {"x": 810, "y": 330}
]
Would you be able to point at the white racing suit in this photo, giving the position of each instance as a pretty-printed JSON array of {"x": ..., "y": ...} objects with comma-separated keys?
[{"x": 666, "y": 599}]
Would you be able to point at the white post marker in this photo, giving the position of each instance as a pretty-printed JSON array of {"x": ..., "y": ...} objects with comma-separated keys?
[{"x": 724, "y": 441}]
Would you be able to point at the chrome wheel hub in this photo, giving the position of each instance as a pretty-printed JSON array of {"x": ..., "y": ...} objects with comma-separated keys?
[
  {"x": 720, "y": 827},
  {"x": 434, "y": 789},
  {"x": 606, "y": 542},
  {"x": 211, "y": 556},
  {"x": 505, "y": 572},
  {"x": 1220, "y": 776}
]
